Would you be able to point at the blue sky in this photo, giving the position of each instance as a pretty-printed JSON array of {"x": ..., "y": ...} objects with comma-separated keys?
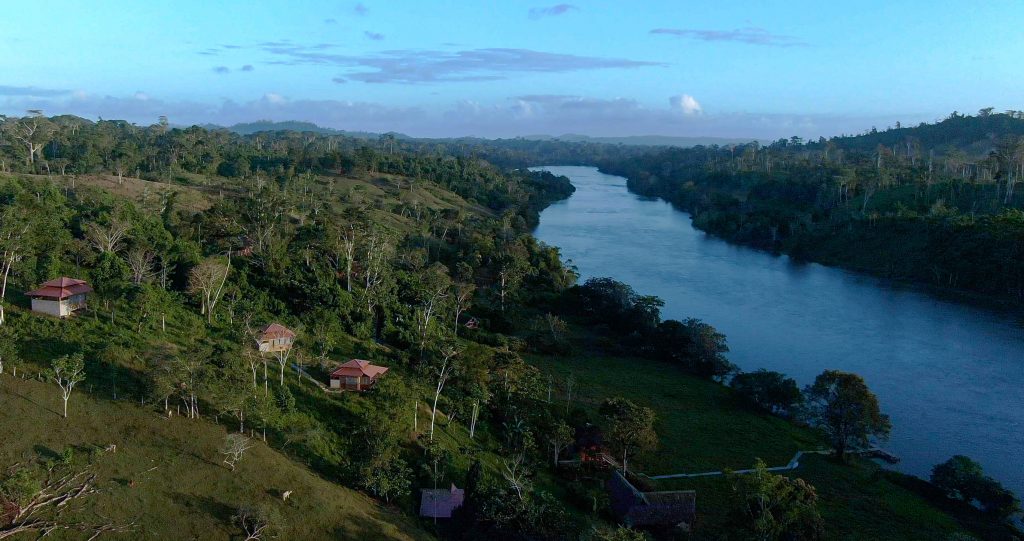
[{"x": 734, "y": 69}]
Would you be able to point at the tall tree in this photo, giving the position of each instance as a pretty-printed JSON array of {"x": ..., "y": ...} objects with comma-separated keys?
[
  {"x": 15, "y": 241},
  {"x": 33, "y": 132},
  {"x": 443, "y": 373},
  {"x": 108, "y": 238},
  {"x": 841, "y": 404},
  {"x": 774, "y": 507},
  {"x": 67, "y": 371},
  {"x": 631, "y": 427},
  {"x": 206, "y": 280}
]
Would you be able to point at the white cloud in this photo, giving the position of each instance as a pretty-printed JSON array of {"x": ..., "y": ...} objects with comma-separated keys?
[{"x": 687, "y": 104}]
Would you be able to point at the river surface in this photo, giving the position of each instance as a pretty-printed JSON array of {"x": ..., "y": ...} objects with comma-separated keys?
[{"x": 951, "y": 376}]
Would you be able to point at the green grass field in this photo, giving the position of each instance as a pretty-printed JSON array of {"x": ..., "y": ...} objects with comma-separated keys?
[
  {"x": 167, "y": 477},
  {"x": 702, "y": 426}
]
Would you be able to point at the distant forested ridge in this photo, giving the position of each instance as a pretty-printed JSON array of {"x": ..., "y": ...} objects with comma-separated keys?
[
  {"x": 936, "y": 204},
  {"x": 249, "y": 128}
]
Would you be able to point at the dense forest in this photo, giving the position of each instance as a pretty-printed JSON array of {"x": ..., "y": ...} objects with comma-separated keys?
[
  {"x": 417, "y": 255},
  {"x": 936, "y": 204}
]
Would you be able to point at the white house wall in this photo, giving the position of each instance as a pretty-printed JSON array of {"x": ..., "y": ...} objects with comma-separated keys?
[{"x": 44, "y": 306}]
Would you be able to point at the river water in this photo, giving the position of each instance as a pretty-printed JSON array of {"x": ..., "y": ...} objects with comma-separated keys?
[{"x": 951, "y": 376}]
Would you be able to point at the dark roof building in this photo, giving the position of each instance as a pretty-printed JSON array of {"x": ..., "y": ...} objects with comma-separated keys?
[
  {"x": 658, "y": 509},
  {"x": 440, "y": 502}
]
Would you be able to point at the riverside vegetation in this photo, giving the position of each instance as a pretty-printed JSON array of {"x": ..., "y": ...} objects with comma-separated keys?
[
  {"x": 383, "y": 249},
  {"x": 935, "y": 204}
]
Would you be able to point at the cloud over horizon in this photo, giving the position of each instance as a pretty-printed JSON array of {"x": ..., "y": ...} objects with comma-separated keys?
[
  {"x": 427, "y": 66},
  {"x": 686, "y": 104},
  {"x": 6, "y": 90},
  {"x": 551, "y": 11},
  {"x": 750, "y": 35},
  {"x": 523, "y": 115}
]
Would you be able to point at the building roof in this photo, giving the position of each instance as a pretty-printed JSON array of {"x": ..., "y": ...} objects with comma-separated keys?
[
  {"x": 358, "y": 367},
  {"x": 276, "y": 330},
  {"x": 61, "y": 288},
  {"x": 636, "y": 508},
  {"x": 441, "y": 502}
]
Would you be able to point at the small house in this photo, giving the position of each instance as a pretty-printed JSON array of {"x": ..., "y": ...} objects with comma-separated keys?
[
  {"x": 637, "y": 509},
  {"x": 441, "y": 502},
  {"x": 60, "y": 297},
  {"x": 356, "y": 375},
  {"x": 589, "y": 446},
  {"x": 274, "y": 338}
]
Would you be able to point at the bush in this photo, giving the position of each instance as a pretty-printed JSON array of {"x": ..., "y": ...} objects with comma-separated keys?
[
  {"x": 696, "y": 346},
  {"x": 962, "y": 478},
  {"x": 958, "y": 477},
  {"x": 767, "y": 390},
  {"x": 588, "y": 496}
]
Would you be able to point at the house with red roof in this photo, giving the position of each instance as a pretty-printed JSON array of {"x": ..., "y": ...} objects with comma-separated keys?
[
  {"x": 60, "y": 297},
  {"x": 441, "y": 502},
  {"x": 275, "y": 338},
  {"x": 356, "y": 375}
]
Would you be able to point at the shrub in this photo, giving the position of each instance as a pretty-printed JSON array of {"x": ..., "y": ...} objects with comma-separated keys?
[{"x": 767, "y": 390}]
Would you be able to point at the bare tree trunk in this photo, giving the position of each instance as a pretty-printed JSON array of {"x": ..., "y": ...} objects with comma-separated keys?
[{"x": 472, "y": 422}]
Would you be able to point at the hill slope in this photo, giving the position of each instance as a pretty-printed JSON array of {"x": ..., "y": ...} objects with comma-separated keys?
[{"x": 167, "y": 476}]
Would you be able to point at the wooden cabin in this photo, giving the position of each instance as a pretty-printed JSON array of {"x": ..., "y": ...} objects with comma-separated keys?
[
  {"x": 274, "y": 338},
  {"x": 356, "y": 375},
  {"x": 60, "y": 297}
]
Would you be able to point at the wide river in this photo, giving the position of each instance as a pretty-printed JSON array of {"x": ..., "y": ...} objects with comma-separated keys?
[{"x": 951, "y": 376}]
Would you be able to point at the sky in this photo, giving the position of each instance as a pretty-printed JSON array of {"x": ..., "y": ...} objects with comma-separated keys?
[{"x": 758, "y": 69}]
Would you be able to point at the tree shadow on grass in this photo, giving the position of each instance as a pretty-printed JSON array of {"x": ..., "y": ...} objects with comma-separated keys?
[
  {"x": 45, "y": 453},
  {"x": 202, "y": 458},
  {"x": 219, "y": 510},
  {"x": 13, "y": 392}
]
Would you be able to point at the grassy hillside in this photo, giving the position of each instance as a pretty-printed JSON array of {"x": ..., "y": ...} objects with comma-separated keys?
[
  {"x": 167, "y": 475},
  {"x": 168, "y": 470}
]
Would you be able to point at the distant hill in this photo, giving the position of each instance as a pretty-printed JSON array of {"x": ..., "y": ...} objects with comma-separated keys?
[
  {"x": 646, "y": 140},
  {"x": 975, "y": 135},
  {"x": 248, "y": 128}
]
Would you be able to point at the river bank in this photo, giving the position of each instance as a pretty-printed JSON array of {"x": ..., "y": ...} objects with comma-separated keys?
[
  {"x": 895, "y": 248},
  {"x": 947, "y": 373}
]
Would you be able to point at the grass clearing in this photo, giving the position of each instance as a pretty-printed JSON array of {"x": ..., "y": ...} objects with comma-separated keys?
[
  {"x": 167, "y": 475},
  {"x": 702, "y": 426}
]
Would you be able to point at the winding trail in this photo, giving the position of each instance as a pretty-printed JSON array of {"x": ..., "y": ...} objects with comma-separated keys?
[{"x": 793, "y": 464}]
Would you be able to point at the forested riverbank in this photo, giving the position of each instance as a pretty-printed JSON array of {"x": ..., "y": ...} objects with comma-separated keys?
[
  {"x": 943, "y": 371},
  {"x": 936, "y": 205}
]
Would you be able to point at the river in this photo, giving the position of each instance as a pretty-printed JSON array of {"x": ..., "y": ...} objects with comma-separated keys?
[{"x": 951, "y": 376}]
